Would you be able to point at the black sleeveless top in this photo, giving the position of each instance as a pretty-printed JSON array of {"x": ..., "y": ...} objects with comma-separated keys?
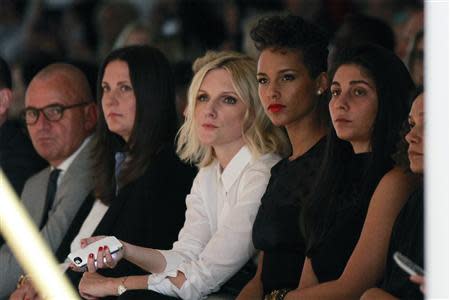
[
  {"x": 407, "y": 237},
  {"x": 276, "y": 229},
  {"x": 330, "y": 257}
]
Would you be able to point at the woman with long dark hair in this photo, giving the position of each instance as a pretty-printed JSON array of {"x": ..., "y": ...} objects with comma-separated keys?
[
  {"x": 138, "y": 174},
  {"x": 358, "y": 184}
]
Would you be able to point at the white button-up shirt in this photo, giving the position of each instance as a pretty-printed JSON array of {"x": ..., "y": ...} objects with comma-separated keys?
[{"x": 216, "y": 239}]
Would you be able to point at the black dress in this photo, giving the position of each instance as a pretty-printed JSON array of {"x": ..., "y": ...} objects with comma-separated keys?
[
  {"x": 276, "y": 229},
  {"x": 330, "y": 257},
  {"x": 407, "y": 237}
]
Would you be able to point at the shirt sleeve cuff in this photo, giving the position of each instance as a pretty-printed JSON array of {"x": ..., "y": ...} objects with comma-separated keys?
[
  {"x": 160, "y": 284},
  {"x": 173, "y": 260}
]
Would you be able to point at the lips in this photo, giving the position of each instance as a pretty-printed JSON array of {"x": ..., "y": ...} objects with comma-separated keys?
[
  {"x": 275, "y": 107},
  {"x": 342, "y": 120},
  {"x": 112, "y": 115},
  {"x": 44, "y": 140},
  {"x": 209, "y": 126},
  {"x": 414, "y": 154}
]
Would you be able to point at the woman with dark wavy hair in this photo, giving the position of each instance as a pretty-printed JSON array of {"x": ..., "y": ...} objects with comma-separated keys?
[{"x": 348, "y": 221}]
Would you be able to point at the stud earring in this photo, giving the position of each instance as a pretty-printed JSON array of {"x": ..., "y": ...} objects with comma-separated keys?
[{"x": 319, "y": 92}]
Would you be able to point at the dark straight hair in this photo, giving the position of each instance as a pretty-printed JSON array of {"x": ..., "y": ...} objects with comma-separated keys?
[
  {"x": 393, "y": 86},
  {"x": 155, "y": 120}
]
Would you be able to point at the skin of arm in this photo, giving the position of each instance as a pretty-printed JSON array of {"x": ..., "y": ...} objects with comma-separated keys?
[
  {"x": 254, "y": 288},
  {"x": 376, "y": 293},
  {"x": 366, "y": 264},
  {"x": 308, "y": 278},
  {"x": 94, "y": 285}
]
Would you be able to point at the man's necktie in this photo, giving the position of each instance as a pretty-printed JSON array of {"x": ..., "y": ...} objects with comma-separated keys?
[
  {"x": 50, "y": 196},
  {"x": 120, "y": 158}
]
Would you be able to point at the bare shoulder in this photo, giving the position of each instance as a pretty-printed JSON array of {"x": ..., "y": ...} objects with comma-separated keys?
[
  {"x": 398, "y": 178},
  {"x": 393, "y": 190}
]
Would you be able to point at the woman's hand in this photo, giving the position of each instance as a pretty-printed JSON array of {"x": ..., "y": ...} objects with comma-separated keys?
[
  {"x": 105, "y": 259},
  {"x": 420, "y": 280},
  {"x": 90, "y": 240},
  {"x": 93, "y": 286}
]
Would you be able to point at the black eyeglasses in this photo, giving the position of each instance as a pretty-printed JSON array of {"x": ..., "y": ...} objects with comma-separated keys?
[{"x": 52, "y": 112}]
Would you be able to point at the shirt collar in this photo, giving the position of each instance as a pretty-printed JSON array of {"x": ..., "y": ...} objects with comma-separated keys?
[
  {"x": 234, "y": 168},
  {"x": 64, "y": 166}
]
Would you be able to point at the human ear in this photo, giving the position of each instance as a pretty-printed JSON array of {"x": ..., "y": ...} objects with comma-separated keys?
[
  {"x": 90, "y": 116},
  {"x": 321, "y": 83},
  {"x": 5, "y": 100}
]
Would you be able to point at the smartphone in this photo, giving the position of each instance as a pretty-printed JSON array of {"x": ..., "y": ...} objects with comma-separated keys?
[
  {"x": 407, "y": 265},
  {"x": 80, "y": 257}
]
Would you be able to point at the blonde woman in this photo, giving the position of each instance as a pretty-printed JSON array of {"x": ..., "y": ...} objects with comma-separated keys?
[{"x": 228, "y": 135}]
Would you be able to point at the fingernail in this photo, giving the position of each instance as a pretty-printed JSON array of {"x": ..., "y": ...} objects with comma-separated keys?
[
  {"x": 100, "y": 248},
  {"x": 91, "y": 255},
  {"x": 105, "y": 247}
]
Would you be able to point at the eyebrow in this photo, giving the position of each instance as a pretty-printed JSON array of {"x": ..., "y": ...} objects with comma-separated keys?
[
  {"x": 50, "y": 104},
  {"x": 222, "y": 93},
  {"x": 353, "y": 82},
  {"x": 279, "y": 72},
  {"x": 120, "y": 82}
]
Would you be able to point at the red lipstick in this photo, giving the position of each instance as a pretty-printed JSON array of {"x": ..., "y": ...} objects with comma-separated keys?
[{"x": 275, "y": 107}]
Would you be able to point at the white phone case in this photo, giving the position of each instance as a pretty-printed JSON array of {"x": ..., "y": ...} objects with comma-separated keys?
[
  {"x": 407, "y": 265},
  {"x": 80, "y": 257}
]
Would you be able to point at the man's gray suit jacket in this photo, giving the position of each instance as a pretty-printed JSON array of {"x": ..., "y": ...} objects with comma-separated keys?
[{"x": 76, "y": 184}]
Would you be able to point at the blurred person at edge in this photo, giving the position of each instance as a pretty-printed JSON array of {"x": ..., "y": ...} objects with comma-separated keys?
[
  {"x": 18, "y": 159},
  {"x": 407, "y": 235}
]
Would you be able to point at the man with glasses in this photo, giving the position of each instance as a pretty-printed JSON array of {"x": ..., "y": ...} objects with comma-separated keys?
[{"x": 60, "y": 115}]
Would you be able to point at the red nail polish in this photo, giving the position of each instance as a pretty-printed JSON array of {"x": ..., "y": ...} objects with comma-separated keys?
[
  {"x": 105, "y": 247},
  {"x": 91, "y": 255},
  {"x": 100, "y": 248}
]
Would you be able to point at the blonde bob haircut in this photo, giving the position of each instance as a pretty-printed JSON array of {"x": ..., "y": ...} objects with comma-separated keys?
[{"x": 258, "y": 132}]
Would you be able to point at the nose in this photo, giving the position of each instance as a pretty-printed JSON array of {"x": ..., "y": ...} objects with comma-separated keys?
[
  {"x": 210, "y": 109},
  {"x": 339, "y": 102},
  {"x": 412, "y": 137},
  {"x": 109, "y": 98},
  {"x": 273, "y": 91}
]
